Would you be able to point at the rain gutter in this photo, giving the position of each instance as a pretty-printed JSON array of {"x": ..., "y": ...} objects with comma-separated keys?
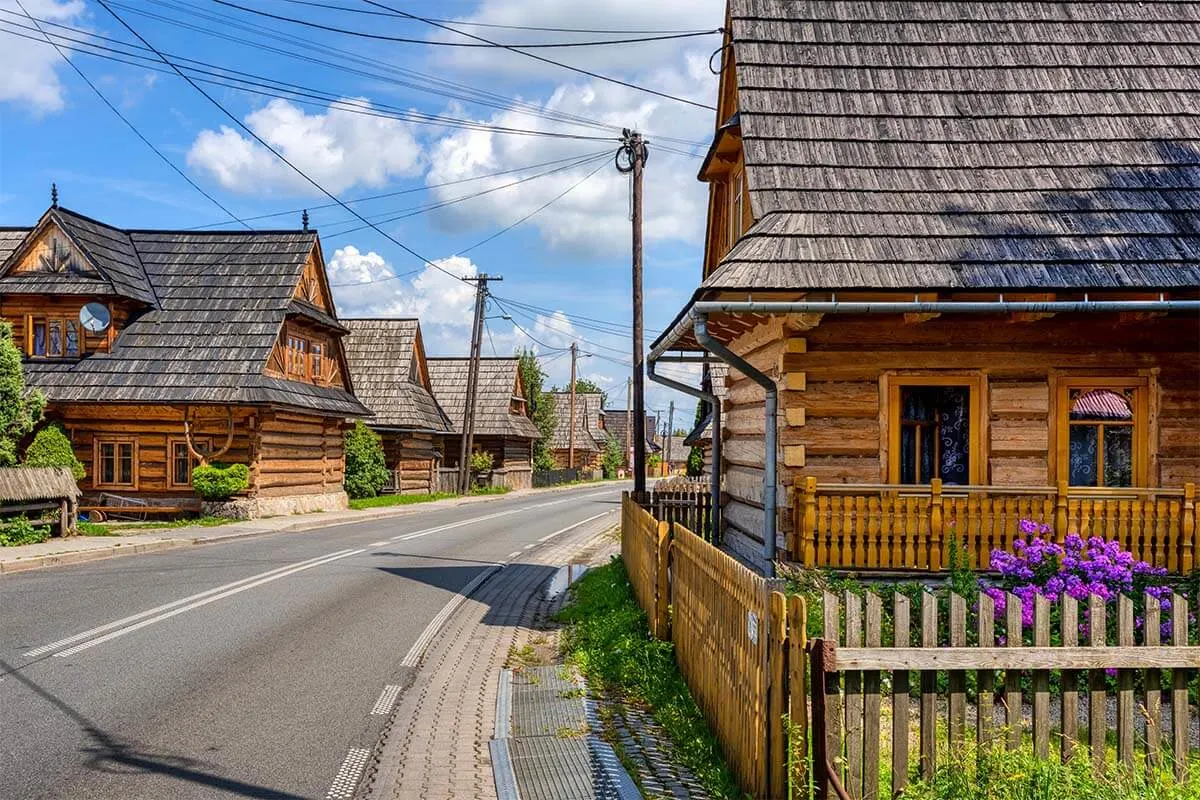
[{"x": 711, "y": 399}]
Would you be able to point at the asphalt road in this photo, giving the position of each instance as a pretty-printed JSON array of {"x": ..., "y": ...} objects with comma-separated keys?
[{"x": 246, "y": 669}]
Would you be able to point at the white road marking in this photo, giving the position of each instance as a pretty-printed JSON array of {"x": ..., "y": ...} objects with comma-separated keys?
[
  {"x": 347, "y": 777},
  {"x": 379, "y": 544},
  {"x": 513, "y": 554},
  {"x": 46, "y": 648},
  {"x": 530, "y": 546},
  {"x": 413, "y": 656},
  {"x": 386, "y": 700},
  {"x": 203, "y": 602},
  {"x": 548, "y": 537}
]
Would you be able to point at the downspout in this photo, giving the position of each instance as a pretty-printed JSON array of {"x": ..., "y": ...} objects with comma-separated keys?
[
  {"x": 715, "y": 477},
  {"x": 770, "y": 490}
]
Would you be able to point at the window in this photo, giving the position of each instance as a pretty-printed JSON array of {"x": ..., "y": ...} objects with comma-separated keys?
[
  {"x": 53, "y": 337},
  {"x": 115, "y": 463},
  {"x": 308, "y": 358},
  {"x": 315, "y": 360},
  {"x": 179, "y": 470},
  {"x": 1101, "y": 441},
  {"x": 735, "y": 208},
  {"x": 935, "y": 430}
]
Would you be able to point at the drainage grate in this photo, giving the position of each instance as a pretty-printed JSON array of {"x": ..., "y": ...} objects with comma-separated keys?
[{"x": 546, "y": 701}]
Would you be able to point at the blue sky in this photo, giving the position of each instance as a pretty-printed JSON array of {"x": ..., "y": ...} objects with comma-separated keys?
[{"x": 354, "y": 114}]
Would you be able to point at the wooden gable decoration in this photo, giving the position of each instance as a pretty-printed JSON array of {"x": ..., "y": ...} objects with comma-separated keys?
[
  {"x": 313, "y": 288},
  {"x": 294, "y": 357},
  {"x": 50, "y": 251},
  {"x": 418, "y": 372}
]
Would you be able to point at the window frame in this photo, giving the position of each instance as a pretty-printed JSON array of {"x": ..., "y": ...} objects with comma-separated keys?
[
  {"x": 737, "y": 213},
  {"x": 976, "y": 386},
  {"x": 172, "y": 442},
  {"x": 98, "y": 444},
  {"x": 1061, "y": 421},
  {"x": 45, "y": 322}
]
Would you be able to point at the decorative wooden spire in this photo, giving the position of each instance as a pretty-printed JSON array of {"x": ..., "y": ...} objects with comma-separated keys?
[
  {"x": 54, "y": 195},
  {"x": 304, "y": 220}
]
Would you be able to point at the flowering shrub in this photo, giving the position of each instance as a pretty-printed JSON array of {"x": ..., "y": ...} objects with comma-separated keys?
[{"x": 1078, "y": 567}]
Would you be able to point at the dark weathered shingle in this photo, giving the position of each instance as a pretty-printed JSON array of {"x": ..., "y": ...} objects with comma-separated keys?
[
  {"x": 497, "y": 382},
  {"x": 382, "y": 356},
  {"x": 968, "y": 144},
  {"x": 589, "y": 436}
]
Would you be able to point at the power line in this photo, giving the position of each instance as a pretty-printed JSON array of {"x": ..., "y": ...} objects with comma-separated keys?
[
  {"x": 495, "y": 24},
  {"x": 233, "y": 118},
  {"x": 131, "y": 126},
  {"x": 543, "y": 59},
  {"x": 440, "y": 43}
]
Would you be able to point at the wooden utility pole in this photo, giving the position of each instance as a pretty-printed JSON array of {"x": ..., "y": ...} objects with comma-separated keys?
[
  {"x": 468, "y": 432},
  {"x": 628, "y": 422},
  {"x": 670, "y": 438},
  {"x": 571, "y": 428},
  {"x": 633, "y": 147}
]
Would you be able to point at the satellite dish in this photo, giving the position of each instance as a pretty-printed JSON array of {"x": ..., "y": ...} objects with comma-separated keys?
[{"x": 94, "y": 318}]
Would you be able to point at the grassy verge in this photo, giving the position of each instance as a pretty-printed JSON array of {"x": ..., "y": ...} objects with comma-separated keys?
[
  {"x": 117, "y": 528},
  {"x": 607, "y": 638},
  {"x": 387, "y": 500},
  {"x": 1018, "y": 775}
]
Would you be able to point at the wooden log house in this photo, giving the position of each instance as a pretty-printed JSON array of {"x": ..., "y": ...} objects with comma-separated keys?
[
  {"x": 619, "y": 424},
  {"x": 879, "y": 170},
  {"x": 155, "y": 347},
  {"x": 391, "y": 377},
  {"x": 590, "y": 435},
  {"x": 502, "y": 424}
]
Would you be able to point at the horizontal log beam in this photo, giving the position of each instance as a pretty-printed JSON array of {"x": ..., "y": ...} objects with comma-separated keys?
[{"x": 853, "y": 659}]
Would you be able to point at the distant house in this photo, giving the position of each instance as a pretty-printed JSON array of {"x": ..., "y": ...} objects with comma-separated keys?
[
  {"x": 391, "y": 378},
  {"x": 619, "y": 424},
  {"x": 502, "y": 424},
  {"x": 967, "y": 268},
  {"x": 590, "y": 435},
  {"x": 675, "y": 455},
  {"x": 702, "y": 435},
  {"x": 141, "y": 339}
]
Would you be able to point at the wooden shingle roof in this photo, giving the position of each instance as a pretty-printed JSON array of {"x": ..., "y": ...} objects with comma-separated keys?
[
  {"x": 33, "y": 484},
  {"x": 589, "y": 436},
  {"x": 967, "y": 144},
  {"x": 498, "y": 380},
  {"x": 383, "y": 357},
  {"x": 216, "y": 302}
]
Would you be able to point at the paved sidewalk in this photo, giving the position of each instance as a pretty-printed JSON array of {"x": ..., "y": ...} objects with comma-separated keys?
[
  {"x": 76, "y": 549},
  {"x": 436, "y": 745}
]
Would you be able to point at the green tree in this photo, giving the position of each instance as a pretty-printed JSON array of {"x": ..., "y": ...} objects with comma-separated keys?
[
  {"x": 51, "y": 448},
  {"x": 695, "y": 461},
  {"x": 366, "y": 468},
  {"x": 20, "y": 409},
  {"x": 614, "y": 457},
  {"x": 584, "y": 386},
  {"x": 541, "y": 406}
]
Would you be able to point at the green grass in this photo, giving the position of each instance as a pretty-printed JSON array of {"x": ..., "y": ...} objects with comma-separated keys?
[
  {"x": 1018, "y": 775},
  {"x": 607, "y": 638},
  {"x": 386, "y": 500},
  {"x": 117, "y": 528}
]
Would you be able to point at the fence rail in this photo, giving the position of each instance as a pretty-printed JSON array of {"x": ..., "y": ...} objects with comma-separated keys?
[
  {"x": 850, "y": 726},
  {"x": 689, "y": 506},
  {"x": 888, "y": 526}
]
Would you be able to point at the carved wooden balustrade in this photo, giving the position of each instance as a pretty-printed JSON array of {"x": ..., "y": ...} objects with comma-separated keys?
[{"x": 904, "y": 527}]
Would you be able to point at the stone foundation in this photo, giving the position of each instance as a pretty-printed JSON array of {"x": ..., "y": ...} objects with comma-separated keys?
[{"x": 257, "y": 507}]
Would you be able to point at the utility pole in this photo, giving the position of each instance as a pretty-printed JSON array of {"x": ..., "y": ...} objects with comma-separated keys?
[
  {"x": 634, "y": 149},
  {"x": 670, "y": 433},
  {"x": 468, "y": 433},
  {"x": 571, "y": 429},
  {"x": 629, "y": 421}
]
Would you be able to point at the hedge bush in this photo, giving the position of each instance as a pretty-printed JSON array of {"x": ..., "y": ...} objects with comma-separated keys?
[
  {"x": 19, "y": 530},
  {"x": 51, "y": 448},
  {"x": 366, "y": 469},
  {"x": 220, "y": 481},
  {"x": 481, "y": 461}
]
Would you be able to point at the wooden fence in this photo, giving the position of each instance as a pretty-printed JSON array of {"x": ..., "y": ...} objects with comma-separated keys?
[
  {"x": 739, "y": 642},
  {"x": 852, "y": 749},
  {"x": 886, "y": 526},
  {"x": 690, "y": 506},
  {"x": 553, "y": 477}
]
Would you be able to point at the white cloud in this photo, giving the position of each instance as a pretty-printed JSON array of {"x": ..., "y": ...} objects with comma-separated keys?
[
  {"x": 30, "y": 76},
  {"x": 337, "y": 148}
]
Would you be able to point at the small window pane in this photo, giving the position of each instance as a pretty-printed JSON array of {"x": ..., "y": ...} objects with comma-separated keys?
[
  {"x": 181, "y": 464},
  {"x": 39, "y": 338},
  {"x": 1100, "y": 405},
  {"x": 1118, "y": 455},
  {"x": 126, "y": 462},
  {"x": 1085, "y": 455},
  {"x": 55, "y": 347},
  {"x": 108, "y": 463},
  {"x": 72, "y": 338},
  {"x": 908, "y": 454}
]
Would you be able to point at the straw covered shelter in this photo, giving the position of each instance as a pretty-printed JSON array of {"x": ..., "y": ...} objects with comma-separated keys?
[{"x": 40, "y": 489}]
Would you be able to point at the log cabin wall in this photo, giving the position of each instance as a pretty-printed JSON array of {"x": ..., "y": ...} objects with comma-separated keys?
[
  {"x": 151, "y": 432},
  {"x": 298, "y": 454},
  {"x": 18, "y": 309},
  {"x": 584, "y": 459},
  {"x": 416, "y": 455},
  {"x": 833, "y": 380}
]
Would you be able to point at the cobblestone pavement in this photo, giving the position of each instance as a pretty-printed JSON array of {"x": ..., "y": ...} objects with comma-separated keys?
[
  {"x": 436, "y": 745},
  {"x": 646, "y": 751}
]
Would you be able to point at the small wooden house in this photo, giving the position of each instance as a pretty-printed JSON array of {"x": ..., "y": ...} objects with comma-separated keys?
[
  {"x": 391, "y": 377},
  {"x": 502, "y": 424},
  {"x": 154, "y": 346},
  {"x": 590, "y": 436},
  {"x": 959, "y": 244},
  {"x": 618, "y": 422}
]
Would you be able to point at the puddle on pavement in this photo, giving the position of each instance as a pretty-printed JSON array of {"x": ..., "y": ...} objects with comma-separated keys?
[{"x": 563, "y": 578}]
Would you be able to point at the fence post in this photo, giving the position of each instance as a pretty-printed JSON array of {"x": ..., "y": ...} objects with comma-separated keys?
[
  {"x": 820, "y": 753},
  {"x": 662, "y": 588},
  {"x": 777, "y": 729},
  {"x": 808, "y": 526},
  {"x": 797, "y": 628},
  {"x": 1060, "y": 512},
  {"x": 1189, "y": 528},
  {"x": 935, "y": 525}
]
